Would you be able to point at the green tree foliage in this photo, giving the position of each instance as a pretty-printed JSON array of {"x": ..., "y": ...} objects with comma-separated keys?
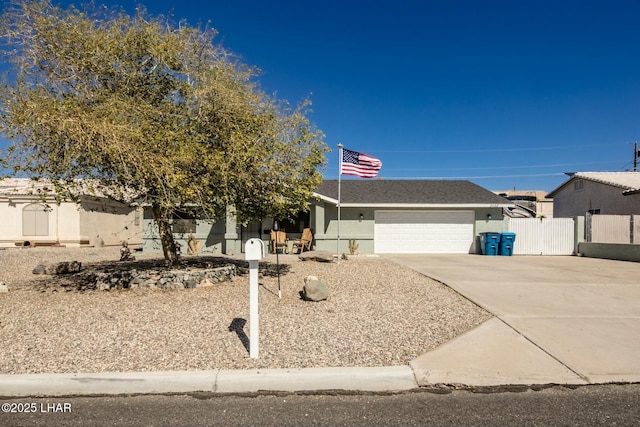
[{"x": 159, "y": 109}]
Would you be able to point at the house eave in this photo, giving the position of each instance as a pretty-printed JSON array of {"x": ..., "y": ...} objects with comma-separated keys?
[
  {"x": 325, "y": 198},
  {"x": 417, "y": 205},
  {"x": 425, "y": 205}
]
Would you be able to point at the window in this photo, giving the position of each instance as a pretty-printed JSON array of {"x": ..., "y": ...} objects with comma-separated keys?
[
  {"x": 35, "y": 220},
  {"x": 578, "y": 185},
  {"x": 183, "y": 223}
]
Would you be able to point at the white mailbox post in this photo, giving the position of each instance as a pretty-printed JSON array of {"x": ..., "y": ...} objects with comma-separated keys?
[{"x": 253, "y": 252}]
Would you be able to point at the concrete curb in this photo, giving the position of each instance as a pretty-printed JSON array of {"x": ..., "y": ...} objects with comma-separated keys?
[
  {"x": 384, "y": 379},
  {"x": 372, "y": 379}
]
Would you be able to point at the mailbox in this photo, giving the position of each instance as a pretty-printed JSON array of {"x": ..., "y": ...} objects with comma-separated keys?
[{"x": 254, "y": 250}]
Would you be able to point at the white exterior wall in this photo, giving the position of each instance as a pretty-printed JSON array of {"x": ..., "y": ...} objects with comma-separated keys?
[
  {"x": 70, "y": 224},
  {"x": 10, "y": 223},
  {"x": 66, "y": 224},
  {"x": 63, "y": 224}
]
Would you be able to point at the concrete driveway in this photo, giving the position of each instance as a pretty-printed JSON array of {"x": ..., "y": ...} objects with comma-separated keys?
[{"x": 558, "y": 320}]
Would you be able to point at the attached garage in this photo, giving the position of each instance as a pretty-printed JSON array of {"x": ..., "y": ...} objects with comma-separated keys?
[
  {"x": 409, "y": 231},
  {"x": 404, "y": 216}
]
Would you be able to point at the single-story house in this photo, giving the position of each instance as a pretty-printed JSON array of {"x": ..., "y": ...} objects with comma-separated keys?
[
  {"x": 406, "y": 216},
  {"x": 28, "y": 220},
  {"x": 380, "y": 216},
  {"x": 607, "y": 193}
]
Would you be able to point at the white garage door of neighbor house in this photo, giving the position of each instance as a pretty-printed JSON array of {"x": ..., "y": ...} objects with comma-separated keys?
[{"x": 425, "y": 232}]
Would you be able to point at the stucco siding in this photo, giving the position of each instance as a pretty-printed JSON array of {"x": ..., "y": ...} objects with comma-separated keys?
[
  {"x": 363, "y": 230},
  {"x": 11, "y": 224},
  {"x": 110, "y": 223},
  {"x": 572, "y": 200},
  {"x": 211, "y": 234},
  {"x": 62, "y": 224}
]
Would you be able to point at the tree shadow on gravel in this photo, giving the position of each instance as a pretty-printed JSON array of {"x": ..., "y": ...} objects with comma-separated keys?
[{"x": 85, "y": 279}]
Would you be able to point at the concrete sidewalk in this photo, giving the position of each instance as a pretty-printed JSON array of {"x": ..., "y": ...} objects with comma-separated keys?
[{"x": 559, "y": 320}]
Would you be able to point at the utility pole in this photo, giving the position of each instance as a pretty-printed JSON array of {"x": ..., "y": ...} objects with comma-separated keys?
[{"x": 635, "y": 157}]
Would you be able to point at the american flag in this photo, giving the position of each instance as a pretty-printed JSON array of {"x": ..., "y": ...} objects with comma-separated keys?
[{"x": 359, "y": 164}]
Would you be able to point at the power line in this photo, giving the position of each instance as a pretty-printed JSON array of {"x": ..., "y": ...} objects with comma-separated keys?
[
  {"x": 478, "y": 177},
  {"x": 500, "y": 167},
  {"x": 493, "y": 150}
]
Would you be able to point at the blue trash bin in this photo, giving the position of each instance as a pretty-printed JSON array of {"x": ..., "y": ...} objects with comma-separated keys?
[
  {"x": 489, "y": 243},
  {"x": 506, "y": 243}
]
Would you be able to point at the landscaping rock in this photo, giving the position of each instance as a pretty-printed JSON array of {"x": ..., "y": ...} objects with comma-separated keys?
[
  {"x": 63, "y": 268},
  {"x": 205, "y": 283},
  {"x": 40, "y": 269},
  {"x": 159, "y": 279},
  {"x": 314, "y": 289},
  {"x": 67, "y": 267},
  {"x": 3, "y": 288},
  {"x": 320, "y": 256}
]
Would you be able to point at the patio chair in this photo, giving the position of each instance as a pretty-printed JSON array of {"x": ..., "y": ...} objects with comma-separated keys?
[
  {"x": 304, "y": 243},
  {"x": 279, "y": 241}
]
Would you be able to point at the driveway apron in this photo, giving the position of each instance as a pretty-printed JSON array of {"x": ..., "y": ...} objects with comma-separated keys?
[{"x": 559, "y": 319}]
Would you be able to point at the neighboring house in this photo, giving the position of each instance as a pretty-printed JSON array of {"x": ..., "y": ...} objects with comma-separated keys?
[
  {"x": 380, "y": 216},
  {"x": 528, "y": 204},
  {"x": 29, "y": 220},
  {"x": 607, "y": 193}
]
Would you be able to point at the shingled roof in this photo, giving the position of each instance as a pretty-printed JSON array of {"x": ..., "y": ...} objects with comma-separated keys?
[{"x": 423, "y": 193}]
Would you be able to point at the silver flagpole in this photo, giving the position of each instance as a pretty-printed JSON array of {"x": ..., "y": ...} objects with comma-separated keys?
[{"x": 339, "y": 184}]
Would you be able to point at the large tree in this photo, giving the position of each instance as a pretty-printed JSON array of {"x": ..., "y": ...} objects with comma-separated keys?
[{"x": 138, "y": 105}]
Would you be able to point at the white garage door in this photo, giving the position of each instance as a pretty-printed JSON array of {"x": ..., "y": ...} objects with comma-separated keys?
[{"x": 445, "y": 232}]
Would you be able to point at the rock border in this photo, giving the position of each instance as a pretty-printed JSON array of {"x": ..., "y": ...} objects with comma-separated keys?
[{"x": 161, "y": 279}]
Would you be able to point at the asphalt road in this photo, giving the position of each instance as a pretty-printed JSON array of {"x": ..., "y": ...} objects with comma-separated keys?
[{"x": 603, "y": 405}]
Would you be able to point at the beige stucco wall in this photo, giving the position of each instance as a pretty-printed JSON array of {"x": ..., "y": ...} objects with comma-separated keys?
[
  {"x": 109, "y": 223},
  {"x": 71, "y": 224},
  {"x": 544, "y": 208},
  {"x": 569, "y": 202}
]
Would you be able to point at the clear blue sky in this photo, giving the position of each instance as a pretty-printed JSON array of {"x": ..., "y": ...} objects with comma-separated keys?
[{"x": 507, "y": 94}]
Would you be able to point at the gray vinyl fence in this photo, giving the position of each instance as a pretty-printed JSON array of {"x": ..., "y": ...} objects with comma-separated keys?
[{"x": 543, "y": 236}]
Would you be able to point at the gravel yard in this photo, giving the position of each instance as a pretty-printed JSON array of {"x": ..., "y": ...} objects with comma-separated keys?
[{"x": 378, "y": 314}]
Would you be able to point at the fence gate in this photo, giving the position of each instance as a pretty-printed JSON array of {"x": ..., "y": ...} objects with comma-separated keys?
[{"x": 543, "y": 236}]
